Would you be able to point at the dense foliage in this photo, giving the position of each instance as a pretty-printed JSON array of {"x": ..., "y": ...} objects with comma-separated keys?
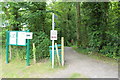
[
  {"x": 42, "y": 42},
  {"x": 90, "y": 25},
  {"x": 102, "y": 28}
]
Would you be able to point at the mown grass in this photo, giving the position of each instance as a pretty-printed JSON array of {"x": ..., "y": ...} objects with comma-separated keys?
[
  {"x": 17, "y": 68},
  {"x": 77, "y": 75},
  {"x": 95, "y": 55}
]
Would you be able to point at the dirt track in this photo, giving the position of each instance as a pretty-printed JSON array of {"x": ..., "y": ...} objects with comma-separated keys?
[{"x": 88, "y": 67}]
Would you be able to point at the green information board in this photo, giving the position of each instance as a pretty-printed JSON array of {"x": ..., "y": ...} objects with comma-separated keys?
[{"x": 18, "y": 38}]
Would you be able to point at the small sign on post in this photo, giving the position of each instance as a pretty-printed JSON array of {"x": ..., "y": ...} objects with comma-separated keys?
[
  {"x": 19, "y": 37},
  {"x": 53, "y": 34},
  {"x": 29, "y": 35}
]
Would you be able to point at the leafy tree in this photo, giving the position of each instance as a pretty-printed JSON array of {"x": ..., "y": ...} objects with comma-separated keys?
[{"x": 94, "y": 26}]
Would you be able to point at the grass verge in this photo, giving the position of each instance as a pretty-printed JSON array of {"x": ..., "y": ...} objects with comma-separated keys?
[
  {"x": 77, "y": 75},
  {"x": 17, "y": 68},
  {"x": 97, "y": 56}
]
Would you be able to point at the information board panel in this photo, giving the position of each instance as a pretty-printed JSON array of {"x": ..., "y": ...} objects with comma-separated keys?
[
  {"x": 18, "y": 38},
  {"x": 12, "y": 38},
  {"x": 21, "y": 39}
]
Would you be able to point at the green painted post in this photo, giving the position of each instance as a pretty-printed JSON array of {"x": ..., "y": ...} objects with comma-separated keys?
[
  {"x": 28, "y": 52},
  {"x": 7, "y": 47}
]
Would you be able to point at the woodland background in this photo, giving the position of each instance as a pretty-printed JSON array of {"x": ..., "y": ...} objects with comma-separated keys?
[{"x": 93, "y": 26}]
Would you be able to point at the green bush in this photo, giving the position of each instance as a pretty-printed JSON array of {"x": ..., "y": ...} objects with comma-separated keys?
[
  {"x": 3, "y": 36},
  {"x": 42, "y": 43}
]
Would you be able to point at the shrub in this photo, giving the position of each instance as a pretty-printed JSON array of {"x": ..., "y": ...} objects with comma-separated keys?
[{"x": 42, "y": 43}]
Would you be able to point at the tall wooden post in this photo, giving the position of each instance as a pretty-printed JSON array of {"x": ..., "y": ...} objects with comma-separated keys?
[
  {"x": 57, "y": 53},
  {"x": 62, "y": 50},
  {"x": 34, "y": 50}
]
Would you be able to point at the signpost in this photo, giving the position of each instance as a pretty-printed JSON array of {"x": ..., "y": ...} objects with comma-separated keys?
[
  {"x": 53, "y": 36},
  {"x": 18, "y": 38}
]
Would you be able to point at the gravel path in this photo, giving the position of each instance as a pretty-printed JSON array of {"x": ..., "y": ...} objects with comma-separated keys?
[{"x": 90, "y": 68}]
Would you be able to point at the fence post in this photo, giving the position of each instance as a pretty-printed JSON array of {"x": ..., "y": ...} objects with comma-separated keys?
[
  {"x": 62, "y": 50},
  {"x": 57, "y": 53},
  {"x": 34, "y": 50}
]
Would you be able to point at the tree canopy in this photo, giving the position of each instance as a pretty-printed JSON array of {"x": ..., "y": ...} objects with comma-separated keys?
[{"x": 90, "y": 25}]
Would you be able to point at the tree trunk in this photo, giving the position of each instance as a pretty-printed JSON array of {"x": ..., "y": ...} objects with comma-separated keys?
[{"x": 78, "y": 23}]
